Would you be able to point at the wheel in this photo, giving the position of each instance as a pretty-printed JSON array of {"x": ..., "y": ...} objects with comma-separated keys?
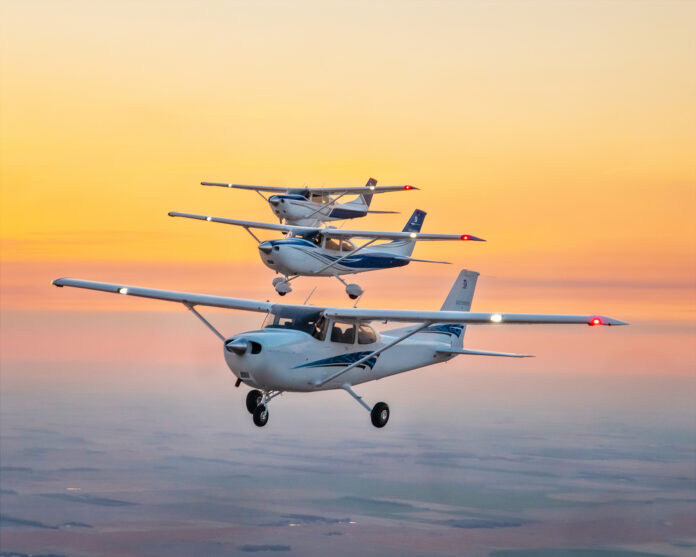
[
  {"x": 354, "y": 291},
  {"x": 283, "y": 287},
  {"x": 254, "y": 397},
  {"x": 380, "y": 414},
  {"x": 261, "y": 415}
]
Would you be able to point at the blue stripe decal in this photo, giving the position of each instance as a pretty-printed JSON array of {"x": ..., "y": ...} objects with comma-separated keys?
[
  {"x": 340, "y": 213},
  {"x": 446, "y": 328},
  {"x": 343, "y": 360}
]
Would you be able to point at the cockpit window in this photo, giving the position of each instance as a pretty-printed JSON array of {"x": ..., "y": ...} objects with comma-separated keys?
[
  {"x": 298, "y": 319},
  {"x": 320, "y": 327},
  {"x": 343, "y": 332},
  {"x": 366, "y": 335},
  {"x": 304, "y": 192},
  {"x": 311, "y": 235}
]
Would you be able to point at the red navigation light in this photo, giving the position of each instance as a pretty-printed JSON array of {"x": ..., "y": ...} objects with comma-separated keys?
[
  {"x": 596, "y": 321},
  {"x": 408, "y": 187},
  {"x": 465, "y": 237}
]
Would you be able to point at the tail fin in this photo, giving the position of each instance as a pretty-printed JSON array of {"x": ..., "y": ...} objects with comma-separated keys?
[
  {"x": 415, "y": 223},
  {"x": 459, "y": 299},
  {"x": 405, "y": 247},
  {"x": 462, "y": 292},
  {"x": 364, "y": 199}
]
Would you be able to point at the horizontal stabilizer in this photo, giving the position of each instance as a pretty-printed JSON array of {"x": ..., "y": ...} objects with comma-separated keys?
[
  {"x": 427, "y": 260},
  {"x": 483, "y": 353},
  {"x": 384, "y": 212}
]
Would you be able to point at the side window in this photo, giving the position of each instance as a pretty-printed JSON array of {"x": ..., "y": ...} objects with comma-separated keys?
[
  {"x": 347, "y": 246},
  {"x": 366, "y": 335},
  {"x": 343, "y": 332},
  {"x": 332, "y": 244}
]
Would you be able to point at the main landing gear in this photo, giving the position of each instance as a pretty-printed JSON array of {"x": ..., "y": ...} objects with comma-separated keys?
[
  {"x": 379, "y": 413},
  {"x": 353, "y": 290},
  {"x": 257, "y": 405},
  {"x": 282, "y": 285}
]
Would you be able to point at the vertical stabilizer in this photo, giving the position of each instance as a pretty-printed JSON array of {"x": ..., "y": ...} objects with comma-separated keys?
[
  {"x": 405, "y": 247},
  {"x": 462, "y": 292},
  {"x": 415, "y": 223},
  {"x": 459, "y": 299}
]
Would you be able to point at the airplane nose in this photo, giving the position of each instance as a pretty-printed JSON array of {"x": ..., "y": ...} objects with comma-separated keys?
[
  {"x": 238, "y": 346},
  {"x": 274, "y": 200},
  {"x": 265, "y": 248}
]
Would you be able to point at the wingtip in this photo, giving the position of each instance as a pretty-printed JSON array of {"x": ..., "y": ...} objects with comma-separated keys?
[{"x": 57, "y": 282}]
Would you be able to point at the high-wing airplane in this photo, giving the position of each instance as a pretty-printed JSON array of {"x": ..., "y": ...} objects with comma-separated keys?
[
  {"x": 313, "y": 206},
  {"x": 329, "y": 252},
  {"x": 304, "y": 348}
]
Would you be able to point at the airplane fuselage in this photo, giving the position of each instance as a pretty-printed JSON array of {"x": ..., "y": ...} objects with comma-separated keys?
[
  {"x": 292, "y": 360},
  {"x": 297, "y": 256},
  {"x": 296, "y": 209}
]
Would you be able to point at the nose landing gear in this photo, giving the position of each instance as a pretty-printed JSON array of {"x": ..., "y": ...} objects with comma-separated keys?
[{"x": 257, "y": 405}]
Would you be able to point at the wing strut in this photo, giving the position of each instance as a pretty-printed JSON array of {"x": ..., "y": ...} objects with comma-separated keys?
[
  {"x": 356, "y": 250},
  {"x": 351, "y": 392},
  {"x": 333, "y": 202},
  {"x": 205, "y": 321},
  {"x": 371, "y": 355}
]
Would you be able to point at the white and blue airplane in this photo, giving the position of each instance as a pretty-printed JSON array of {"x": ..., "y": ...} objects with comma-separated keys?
[
  {"x": 314, "y": 206},
  {"x": 306, "y": 349},
  {"x": 329, "y": 252}
]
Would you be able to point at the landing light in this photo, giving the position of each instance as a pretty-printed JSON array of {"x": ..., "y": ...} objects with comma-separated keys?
[
  {"x": 496, "y": 318},
  {"x": 208, "y": 219},
  {"x": 372, "y": 187},
  {"x": 123, "y": 290},
  {"x": 413, "y": 234}
]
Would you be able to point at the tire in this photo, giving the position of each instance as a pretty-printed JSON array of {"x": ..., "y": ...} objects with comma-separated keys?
[
  {"x": 252, "y": 400},
  {"x": 380, "y": 414},
  {"x": 261, "y": 415}
]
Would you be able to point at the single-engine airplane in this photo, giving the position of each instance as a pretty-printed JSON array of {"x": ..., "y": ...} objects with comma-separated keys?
[
  {"x": 313, "y": 206},
  {"x": 304, "y": 348},
  {"x": 329, "y": 252}
]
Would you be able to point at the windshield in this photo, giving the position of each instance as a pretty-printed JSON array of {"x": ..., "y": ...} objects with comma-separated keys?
[{"x": 299, "y": 319}]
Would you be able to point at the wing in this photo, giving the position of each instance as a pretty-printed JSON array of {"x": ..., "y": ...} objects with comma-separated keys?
[
  {"x": 358, "y": 190},
  {"x": 244, "y": 223},
  {"x": 331, "y": 191},
  {"x": 273, "y": 189},
  {"x": 186, "y": 298},
  {"x": 370, "y": 234},
  {"x": 330, "y": 232},
  {"x": 471, "y": 318}
]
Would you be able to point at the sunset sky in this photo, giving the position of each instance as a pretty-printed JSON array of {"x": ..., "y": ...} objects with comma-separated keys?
[{"x": 562, "y": 132}]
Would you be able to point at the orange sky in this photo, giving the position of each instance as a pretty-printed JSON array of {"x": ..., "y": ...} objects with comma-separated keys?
[{"x": 562, "y": 132}]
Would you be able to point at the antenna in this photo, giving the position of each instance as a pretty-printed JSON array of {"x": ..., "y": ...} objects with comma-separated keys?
[
  {"x": 310, "y": 295},
  {"x": 356, "y": 301}
]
